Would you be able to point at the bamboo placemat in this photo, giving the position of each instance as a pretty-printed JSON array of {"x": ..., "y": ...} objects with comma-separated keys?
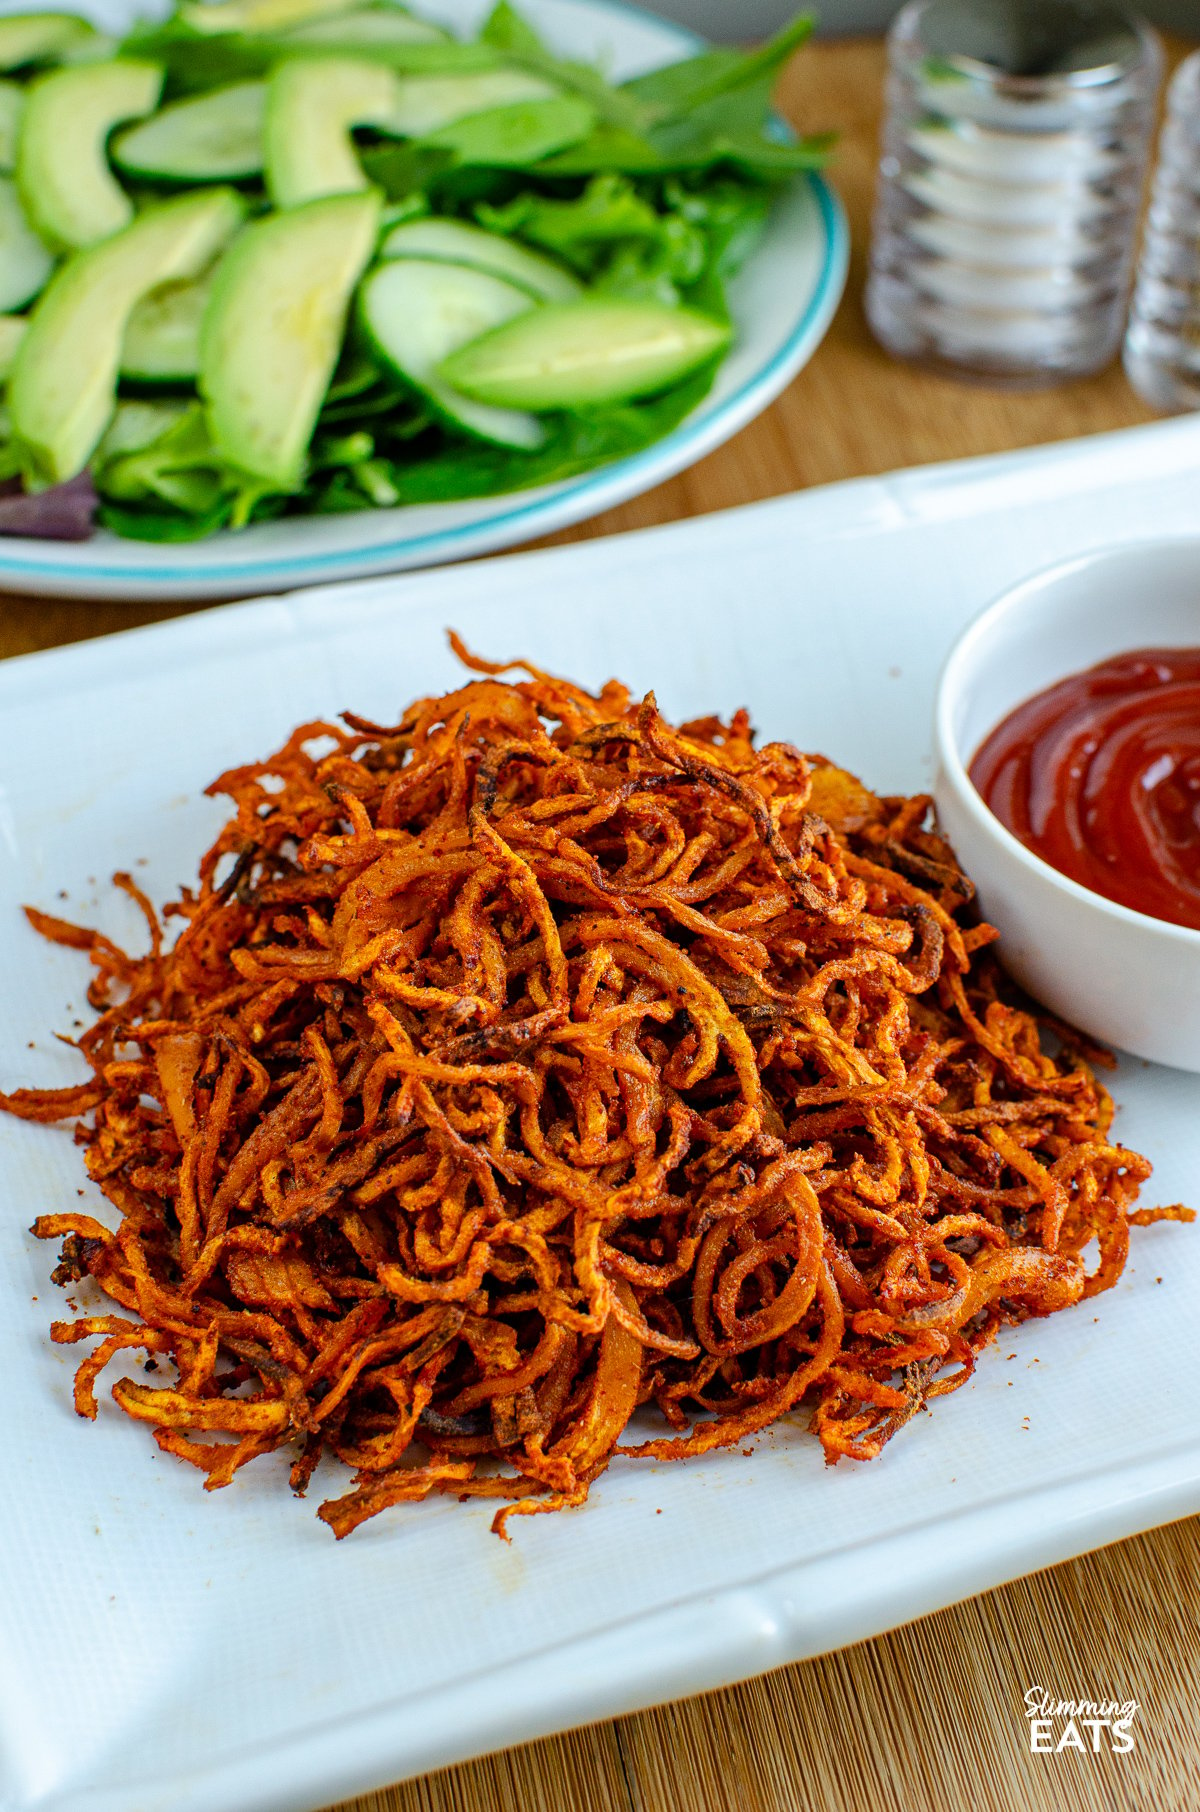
[{"x": 930, "y": 1718}]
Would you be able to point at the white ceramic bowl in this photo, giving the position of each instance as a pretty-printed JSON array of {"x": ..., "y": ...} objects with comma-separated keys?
[{"x": 1128, "y": 980}]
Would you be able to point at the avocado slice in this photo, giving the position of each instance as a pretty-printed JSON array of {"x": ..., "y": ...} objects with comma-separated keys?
[
  {"x": 311, "y": 106},
  {"x": 27, "y": 38},
  {"x": 63, "y": 384},
  {"x": 217, "y": 16},
  {"x": 12, "y": 332},
  {"x": 577, "y": 355},
  {"x": 70, "y": 194},
  {"x": 366, "y": 31},
  {"x": 12, "y": 101},
  {"x": 273, "y": 330}
]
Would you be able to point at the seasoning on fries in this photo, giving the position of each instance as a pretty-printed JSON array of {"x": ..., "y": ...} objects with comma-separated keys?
[{"x": 532, "y": 1062}]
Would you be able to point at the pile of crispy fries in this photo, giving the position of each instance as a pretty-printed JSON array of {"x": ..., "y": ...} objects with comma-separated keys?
[{"x": 531, "y": 1063}]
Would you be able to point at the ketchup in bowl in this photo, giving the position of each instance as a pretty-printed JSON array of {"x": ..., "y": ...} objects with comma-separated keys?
[{"x": 1100, "y": 776}]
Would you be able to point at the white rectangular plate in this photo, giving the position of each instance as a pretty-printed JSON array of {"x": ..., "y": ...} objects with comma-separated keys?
[{"x": 166, "y": 1651}]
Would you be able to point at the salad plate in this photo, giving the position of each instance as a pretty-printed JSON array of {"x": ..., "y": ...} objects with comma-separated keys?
[
  {"x": 782, "y": 301},
  {"x": 164, "y": 1649}
]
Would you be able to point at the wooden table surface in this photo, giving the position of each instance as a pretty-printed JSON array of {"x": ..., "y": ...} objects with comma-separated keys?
[{"x": 931, "y": 1717}]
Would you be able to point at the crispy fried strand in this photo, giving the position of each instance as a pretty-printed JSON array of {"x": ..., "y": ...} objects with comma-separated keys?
[{"x": 532, "y": 1062}]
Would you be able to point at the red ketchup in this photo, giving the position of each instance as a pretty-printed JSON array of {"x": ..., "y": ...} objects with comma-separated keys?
[{"x": 1100, "y": 777}]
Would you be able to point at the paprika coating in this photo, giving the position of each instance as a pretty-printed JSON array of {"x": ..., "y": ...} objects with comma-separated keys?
[{"x": 531, "y": 1071}]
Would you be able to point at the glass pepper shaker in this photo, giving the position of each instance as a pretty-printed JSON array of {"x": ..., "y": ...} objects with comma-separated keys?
[
  {"x": 1014, "y": 155},
  {"x": 1162, "y": 345}
]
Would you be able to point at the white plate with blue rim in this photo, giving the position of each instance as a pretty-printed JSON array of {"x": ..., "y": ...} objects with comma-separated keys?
[{"x": 782, "y": 303}]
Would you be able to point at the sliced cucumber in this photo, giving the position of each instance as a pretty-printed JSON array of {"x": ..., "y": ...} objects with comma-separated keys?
[
  {"x": 366, "y": 30},
  {"x": 274, "y": 327},
  {"x": 214, "y": 17},
  {"x": 63, "y": 384},
  {"x": 162, "y": 338},
  {"x": 311, "y": 106},
  {"x": 137, "y": 425},
  {"x": 69, "y": 192},
  {"x": 456, "y": 242},
  {"x": 27, "y": 38},
  {"x": 214, "y": 137},
  {"x": 25, "y": 262},
  {"x": 429, "y": 103},
  {"x": 416, "y": 312},
  {"x": 12, "y": 332},
  {"x": 12, "y": 100},
  {"x": 572, "y": 354}
]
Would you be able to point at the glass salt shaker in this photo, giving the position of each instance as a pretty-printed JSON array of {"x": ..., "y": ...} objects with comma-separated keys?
[
  {"x": 1014, "y": 156},
  {"x": 1162, "y": 345}
]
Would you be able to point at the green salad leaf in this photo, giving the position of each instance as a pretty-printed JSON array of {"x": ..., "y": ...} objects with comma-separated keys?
[
  {"x": 515, "y": 136},
  {"x": 505, "y": 30}
]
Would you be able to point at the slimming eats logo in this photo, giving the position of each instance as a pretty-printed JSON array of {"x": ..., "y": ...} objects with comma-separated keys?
[{"x": 1083, "y": 1724}]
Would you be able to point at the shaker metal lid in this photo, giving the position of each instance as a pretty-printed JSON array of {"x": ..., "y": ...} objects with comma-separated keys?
[{"x": 1082, "y": 41}]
